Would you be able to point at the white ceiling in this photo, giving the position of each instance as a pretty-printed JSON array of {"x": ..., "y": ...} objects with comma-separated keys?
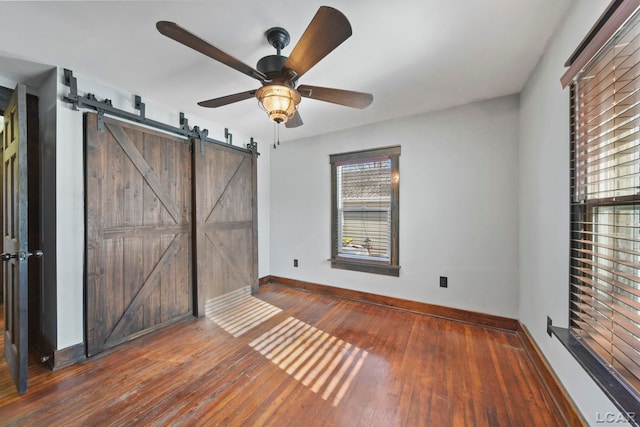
[{"x": 414, "y": 56}]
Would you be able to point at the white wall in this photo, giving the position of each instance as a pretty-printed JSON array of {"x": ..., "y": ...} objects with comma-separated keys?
[
  {"x": 544, "y": 206},
  {"x": 69, "y": 222},
  {"x": 70, "y": 195},
  {"x": 458, "y": 207},
  {"x": 264, "y": 213}
]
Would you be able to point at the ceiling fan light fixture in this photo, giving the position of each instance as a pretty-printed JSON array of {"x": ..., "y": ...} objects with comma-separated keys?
[
  {"x": 279, "y": 101},
  {"x": 279, "y": 74}
]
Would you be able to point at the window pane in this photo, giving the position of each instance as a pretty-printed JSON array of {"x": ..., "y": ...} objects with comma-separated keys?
[
  {"x": 605, "y": 225},
  {"x": 365, "y": 233},
  {"x": 364, "y": 203},
  {"x": 365, "y": 206}
]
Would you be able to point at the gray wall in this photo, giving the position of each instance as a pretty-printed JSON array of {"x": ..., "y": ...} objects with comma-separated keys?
[
  {"x": 544, "y": 206},
  {"x": 458, "y": 207}
]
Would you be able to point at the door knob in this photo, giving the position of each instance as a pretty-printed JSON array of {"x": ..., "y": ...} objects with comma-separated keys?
[
  {"x": 21, "y": 255},
  {"x": 5, "y": 256}
]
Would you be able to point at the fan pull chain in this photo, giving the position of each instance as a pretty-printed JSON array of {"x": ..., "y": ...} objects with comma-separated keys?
[{"x": 276, "y": 134}]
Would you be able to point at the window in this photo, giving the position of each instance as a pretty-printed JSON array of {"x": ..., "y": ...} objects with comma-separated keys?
[
  {"x": 605, "y": 204},
  {"x": 365, "y": 209}
]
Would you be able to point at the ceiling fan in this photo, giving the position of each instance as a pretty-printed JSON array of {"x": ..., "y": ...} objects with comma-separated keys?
[{"x": 279, "y": 75}]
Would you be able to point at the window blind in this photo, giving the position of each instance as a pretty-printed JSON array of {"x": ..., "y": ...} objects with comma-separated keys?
[
  {"x": 364, "y": 205},
  {"x": 365, "y": 210},
  {"x": 609, "y": 23},
  {"x": 605, "y": 203}
]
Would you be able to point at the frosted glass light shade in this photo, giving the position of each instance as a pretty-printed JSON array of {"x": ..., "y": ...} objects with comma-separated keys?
[{"x": 279, "y": 101}]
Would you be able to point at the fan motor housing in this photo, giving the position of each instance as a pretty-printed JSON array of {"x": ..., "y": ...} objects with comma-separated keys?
[{"x": 271, "y": 65}]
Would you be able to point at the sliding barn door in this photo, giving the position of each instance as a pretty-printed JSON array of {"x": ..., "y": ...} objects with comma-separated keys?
[
  {"x": 226, "y": 222},
  {"x": 138, "y": 208}
]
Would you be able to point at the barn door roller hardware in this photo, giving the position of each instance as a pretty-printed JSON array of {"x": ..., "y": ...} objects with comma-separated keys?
[{"x": 89, "y": 101}]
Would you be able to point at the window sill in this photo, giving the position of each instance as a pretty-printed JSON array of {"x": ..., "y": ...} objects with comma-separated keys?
[
  {"x": 624, "y": 399},
  {"x": 366, "y": 266}
]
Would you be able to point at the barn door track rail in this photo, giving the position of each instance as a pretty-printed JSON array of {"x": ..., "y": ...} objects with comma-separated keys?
[{"x": 89, "y": 101}]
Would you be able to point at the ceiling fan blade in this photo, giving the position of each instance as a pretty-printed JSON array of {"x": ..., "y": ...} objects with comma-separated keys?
[
  {"x": 229, "y": 99},
  {"x": 326, "y": 31},
  {"x": 347, "y": 98},
  {"x": 294, "y": 121},
  {"x": 179, "y": 34}
]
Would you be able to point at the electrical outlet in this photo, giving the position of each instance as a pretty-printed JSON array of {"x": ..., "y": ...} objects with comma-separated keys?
[
  {"x": 549, "y": 324},
  {"x": 443, "y": 282},
  {"x": 295, "y": 262}
]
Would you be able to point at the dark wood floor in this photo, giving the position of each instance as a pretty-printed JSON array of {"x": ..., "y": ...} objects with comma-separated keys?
[{"x": 286, "y": 357}]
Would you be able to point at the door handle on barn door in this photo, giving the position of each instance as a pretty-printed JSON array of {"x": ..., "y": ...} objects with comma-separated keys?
[{"x": 20, "y": 256}]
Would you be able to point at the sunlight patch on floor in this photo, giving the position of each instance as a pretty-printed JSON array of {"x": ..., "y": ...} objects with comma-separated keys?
[
  {"x": 322, "y": 362},
  {"x": 240, "y": 314}
]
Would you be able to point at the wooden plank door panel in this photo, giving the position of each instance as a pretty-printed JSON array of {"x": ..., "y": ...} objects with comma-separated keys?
[
  {"x": 225, "y": 222},
  {"x": 15, "y": 235},
  {"x": 138, "y": 206}
]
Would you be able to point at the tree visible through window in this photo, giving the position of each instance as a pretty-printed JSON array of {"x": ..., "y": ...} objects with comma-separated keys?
[{"x": 365, "y": 206}]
